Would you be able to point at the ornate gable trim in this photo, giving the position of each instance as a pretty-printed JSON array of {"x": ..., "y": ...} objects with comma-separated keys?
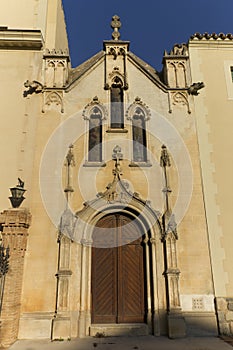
[
  {"x": 133, "y": 107},
  {"x": 94, "y": 103}
]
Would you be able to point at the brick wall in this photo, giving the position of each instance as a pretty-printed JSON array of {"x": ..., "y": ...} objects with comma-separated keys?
[{"x": 15, "y": 224}]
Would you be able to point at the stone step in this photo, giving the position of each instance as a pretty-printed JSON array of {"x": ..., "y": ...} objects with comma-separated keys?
[{"x": 117, "y": 330}]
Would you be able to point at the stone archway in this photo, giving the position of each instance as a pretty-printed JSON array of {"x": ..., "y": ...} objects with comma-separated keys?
[{"x": 161, "y": 310}]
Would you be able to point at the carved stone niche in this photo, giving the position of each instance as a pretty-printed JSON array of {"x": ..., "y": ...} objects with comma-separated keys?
[
  {"x": 179, "y": 98},
  {"x": 53, "y": 99},
  {"x": 56, "y": 64}
]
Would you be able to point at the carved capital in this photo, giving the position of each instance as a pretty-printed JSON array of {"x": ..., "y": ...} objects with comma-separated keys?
[
  {"x": 153, "y": 241},
  {"x": 86, "y": 242}
]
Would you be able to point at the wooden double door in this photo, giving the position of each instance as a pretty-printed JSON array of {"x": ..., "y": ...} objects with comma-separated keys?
[{"x": 118, "y": 271}]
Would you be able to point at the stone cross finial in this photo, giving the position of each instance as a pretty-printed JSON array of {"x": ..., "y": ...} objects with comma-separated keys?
[
  {"x": 117, "y": 156},
  {"x": 116, "y": 24}
]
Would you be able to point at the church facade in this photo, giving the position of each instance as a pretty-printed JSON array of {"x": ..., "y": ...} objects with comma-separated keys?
[{"x": 125, "y": 228}]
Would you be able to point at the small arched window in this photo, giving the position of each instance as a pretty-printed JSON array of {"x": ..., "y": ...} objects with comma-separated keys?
[
  {"x": 95, "y": 136},
  {"x": 117, "y": 108},
  {"x": 139, "y": 136}
]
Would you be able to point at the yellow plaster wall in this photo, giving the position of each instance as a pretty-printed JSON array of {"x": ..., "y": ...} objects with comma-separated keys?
[
  {"x": 210, "y": 63},
  {"x": 24, "y": 14}
]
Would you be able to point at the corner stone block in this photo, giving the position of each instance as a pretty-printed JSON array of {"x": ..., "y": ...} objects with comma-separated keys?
[
  {"x": 221, "y": 304},
  {"x": 224, "y": 329},
  {"x": 229, "y": 316},
  {"x": 176, "y": 327},
  {"x": 221, "y": 316},
  {"x": 61, "y": 328}
]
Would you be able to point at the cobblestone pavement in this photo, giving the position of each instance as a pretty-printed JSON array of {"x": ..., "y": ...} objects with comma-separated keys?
[{"x": 126, "y": 343}]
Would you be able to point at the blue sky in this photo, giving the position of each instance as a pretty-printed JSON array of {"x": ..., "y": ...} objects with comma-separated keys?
[{"x": 151, "y": 26}]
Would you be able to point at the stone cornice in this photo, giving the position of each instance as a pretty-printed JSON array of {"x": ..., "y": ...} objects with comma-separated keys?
[
  {"x": 57, "y": 53},
  {"x": 213, "y": 36},
  {"x": 211, "y": 44},
  {"x": 21, "y": 39},
  {"x": 119, "y": 43},
  {"x": 211, "y": 41}
]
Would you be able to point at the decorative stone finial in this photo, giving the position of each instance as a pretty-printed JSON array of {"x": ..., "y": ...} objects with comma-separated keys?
[
  {"x": 117, "y": 155},
  {"x": 70, "y": 162},
  {"x": 116, "y": 24},
  {"x": 70, "y": 156},
  {"x": 164, "y": 158}
]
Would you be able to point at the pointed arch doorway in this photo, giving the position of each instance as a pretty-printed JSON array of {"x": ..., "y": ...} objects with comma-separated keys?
[{"x": 118, "y": 282}]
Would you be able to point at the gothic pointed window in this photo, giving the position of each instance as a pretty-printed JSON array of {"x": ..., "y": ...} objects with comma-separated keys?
[
  {"x": 95, "y": 136},
  {"x": 117, "y": 109},
  {"x": 139, "y": 136}
]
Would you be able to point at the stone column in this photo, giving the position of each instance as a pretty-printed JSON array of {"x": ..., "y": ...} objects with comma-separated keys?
[
  {"x": 148, "y": 279},
  {"x": 155, "y": 311},
  {"x": 14, "y": 224},
  {"x": 85, "y": 312},
  {"x": 176, "y": 322},
  {"x": 61, "y": 324}
]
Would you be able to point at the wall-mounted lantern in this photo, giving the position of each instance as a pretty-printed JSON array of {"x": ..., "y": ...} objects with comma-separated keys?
[{"x": 17, "y": 193}]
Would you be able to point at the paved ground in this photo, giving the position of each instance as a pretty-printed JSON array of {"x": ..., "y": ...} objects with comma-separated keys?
[{"x": 126, "y": 343}]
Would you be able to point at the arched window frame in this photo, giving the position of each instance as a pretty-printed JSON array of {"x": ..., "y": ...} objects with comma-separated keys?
[
  {"x": 95, "y": 135},
  {"x": 117, "y": 106},
  {"x": 139, "y": 136},
  {"x": 140, "y": 110},
  {"x": 94, "y": 110}
]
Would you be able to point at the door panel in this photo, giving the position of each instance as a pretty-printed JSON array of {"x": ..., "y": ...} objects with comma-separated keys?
[
  {"x": 118, "y": 273},
  {"x": 104, "y": 280},
  {"x": 132, "y": 284}
]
